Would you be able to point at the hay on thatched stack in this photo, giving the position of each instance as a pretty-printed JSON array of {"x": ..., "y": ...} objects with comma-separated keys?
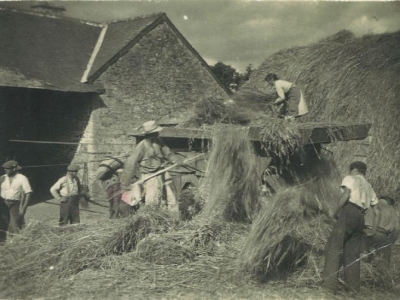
[
  {"x": 293, "y": 225},
  {"x": 231, "y": 180},
  {"x": 209, "y": 111}
]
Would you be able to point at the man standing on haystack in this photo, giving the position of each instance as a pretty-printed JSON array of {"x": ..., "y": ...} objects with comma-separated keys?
[
  {"x": 346, "y": 236},
  {"x": 68, "y": 190},
  {"x": 150, "y": 156},
  {"x": 15, "y": 193}
]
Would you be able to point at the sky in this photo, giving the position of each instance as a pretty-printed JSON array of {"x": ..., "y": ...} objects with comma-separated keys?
[{"x": 243, "y": 32}]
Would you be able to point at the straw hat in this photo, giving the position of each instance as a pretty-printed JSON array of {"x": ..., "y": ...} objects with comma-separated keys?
[{"x": 150, "y": 127}]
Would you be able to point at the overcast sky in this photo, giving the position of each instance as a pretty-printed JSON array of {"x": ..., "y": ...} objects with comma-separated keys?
[{"x": 243, "y": 32}]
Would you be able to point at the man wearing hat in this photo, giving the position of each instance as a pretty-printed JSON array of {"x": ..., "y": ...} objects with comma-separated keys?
[
  {"x": 346, "y": 237},
  {"x": 15, "y": 193},
  {"x": 68, "y": 190},
  {"x": 150, "y": 156}
]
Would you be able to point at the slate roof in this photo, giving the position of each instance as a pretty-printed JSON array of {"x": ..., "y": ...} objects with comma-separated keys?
[
  {"x": 49, "y": 50},
  {"x": 60, "y": 53},
  {"x": 119, "y": 35}
]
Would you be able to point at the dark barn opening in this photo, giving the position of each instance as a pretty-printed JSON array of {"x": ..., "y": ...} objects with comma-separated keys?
[{"x": 41, "y": 129}]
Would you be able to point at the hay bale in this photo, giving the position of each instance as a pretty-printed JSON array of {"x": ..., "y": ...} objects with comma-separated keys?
[
  {"x": 231, "y": 177},
  {"x": 162, "y": 250}
]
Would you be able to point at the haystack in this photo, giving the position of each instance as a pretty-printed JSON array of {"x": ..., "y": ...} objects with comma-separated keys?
[{"x": 347, "y": 78}]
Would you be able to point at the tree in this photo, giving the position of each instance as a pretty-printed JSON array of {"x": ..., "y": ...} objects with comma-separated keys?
[{"x": 228, "y": 75}]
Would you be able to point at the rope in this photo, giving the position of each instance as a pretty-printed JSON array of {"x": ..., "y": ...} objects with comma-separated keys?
[{"x": 63, "y": 143}]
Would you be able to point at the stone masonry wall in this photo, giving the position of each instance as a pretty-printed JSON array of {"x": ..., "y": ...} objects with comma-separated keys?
[{"x": 158, "y": 76}]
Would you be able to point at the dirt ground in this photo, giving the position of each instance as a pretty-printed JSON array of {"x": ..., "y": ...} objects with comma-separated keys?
[{"x": 208, "y": 277}]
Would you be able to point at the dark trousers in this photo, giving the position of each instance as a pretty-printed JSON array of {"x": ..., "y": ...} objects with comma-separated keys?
[
  {"x": 4, "y": 220},
  {"x": 69, "y": 210},
  {"x": 346, "y": 238},
  {"x": 114, "y": 197},
  {"x": 381, "y": 243},
  {"x": 16, "y": 221},
  {"x": 293, "y": 99}
]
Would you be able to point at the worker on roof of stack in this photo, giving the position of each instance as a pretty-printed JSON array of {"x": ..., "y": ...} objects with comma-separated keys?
[
  {"x": 290, "y": 98},
  {"x": 68, "y": 190},
  {"x": 150, "y": 156},
  {"x": 15, "y": 196},
  {"x": 346, "y": 237}
]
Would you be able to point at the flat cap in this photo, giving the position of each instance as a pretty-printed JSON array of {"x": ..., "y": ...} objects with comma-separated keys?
[
  {"x": 359, "y": 165},
  {"x": 73, "y": 168},
  {"x": 10, "y": 164}
]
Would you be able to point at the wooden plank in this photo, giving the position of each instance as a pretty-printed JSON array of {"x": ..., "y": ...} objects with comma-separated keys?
[{"x": 307, "y": 135}]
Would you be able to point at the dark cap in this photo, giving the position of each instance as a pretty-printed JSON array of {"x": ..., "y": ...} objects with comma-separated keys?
[
  {"x": 73, "y": 168},
  {"x": 10, "y": 164},
  {"x": 359, "y": 165},
  {"x": 388, "y": 199}
]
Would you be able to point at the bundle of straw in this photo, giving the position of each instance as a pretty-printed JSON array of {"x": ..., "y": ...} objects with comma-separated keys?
[
  {"x": 293, "y": 225},
  {"x": 149, "y": 220},
  {"x": 162, "y": 250},
  {"x": 231, "y": 176},
  {"x": 280, "y": 139}
]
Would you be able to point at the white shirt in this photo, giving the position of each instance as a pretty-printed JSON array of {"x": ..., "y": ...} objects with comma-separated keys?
[
  {"x": 65, "y": 186},
  {"x": 282, "y": 87},
  {"x": 361, "y": 191},
  {"x": 16, "y": 189}
]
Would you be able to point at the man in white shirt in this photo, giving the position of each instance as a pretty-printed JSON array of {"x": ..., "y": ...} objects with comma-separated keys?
[
  {"x": 68, "y": 190},
  {"x": 16, "y": 193},
  {"x": 346, "y": 236}
]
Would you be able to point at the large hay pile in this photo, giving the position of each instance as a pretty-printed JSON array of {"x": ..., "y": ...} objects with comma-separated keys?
[{"x": 347, "y": 78}]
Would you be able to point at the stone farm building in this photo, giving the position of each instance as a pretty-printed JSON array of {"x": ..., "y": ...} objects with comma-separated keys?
[{"x": 73, "y": 91}]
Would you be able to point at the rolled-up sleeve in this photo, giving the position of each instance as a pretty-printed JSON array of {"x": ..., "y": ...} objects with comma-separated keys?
[
  {"x": 347, "y": 182},
  {"x": 25, "y": 185},
  {"x": 57, "y": 186}
]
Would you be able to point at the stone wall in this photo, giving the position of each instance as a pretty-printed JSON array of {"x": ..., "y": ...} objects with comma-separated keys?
[{"x": 158, "y": 76}]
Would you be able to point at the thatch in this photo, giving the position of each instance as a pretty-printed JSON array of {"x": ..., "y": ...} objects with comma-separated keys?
[
  {"x": 231, "y": 180},
  {"x": 347, "y": 78}
]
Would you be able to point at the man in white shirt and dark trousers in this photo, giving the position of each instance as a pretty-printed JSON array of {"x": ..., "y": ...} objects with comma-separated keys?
[
  {"x": 15, "y": 193},
  {"x": 68, "y": 190},
  {"x": 346, "y": 236}
]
